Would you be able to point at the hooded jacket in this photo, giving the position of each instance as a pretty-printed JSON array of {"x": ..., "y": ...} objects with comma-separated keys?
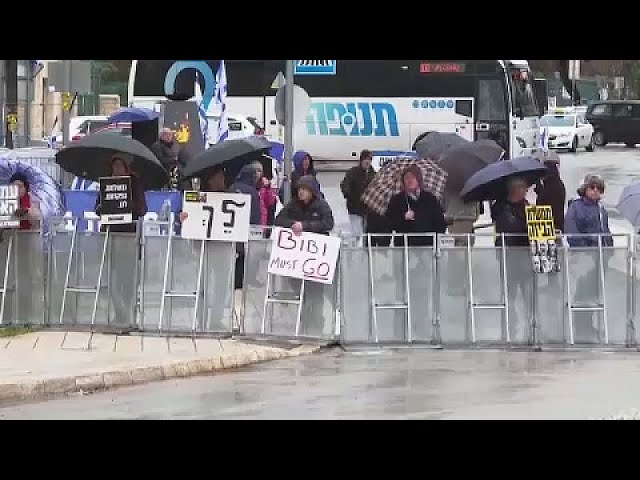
[
  {"x": 315, "y": 216},
  {"x": 429, "y": 215},
  {"x": 246, "y": 183},
  {"x": 297, "y": 173},
  {"x": 586, "y": 216},
  {"x": 353, "y": 186}
]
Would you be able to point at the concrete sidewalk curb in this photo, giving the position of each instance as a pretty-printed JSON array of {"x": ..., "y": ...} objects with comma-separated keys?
[{"x": 40, "y": 390}]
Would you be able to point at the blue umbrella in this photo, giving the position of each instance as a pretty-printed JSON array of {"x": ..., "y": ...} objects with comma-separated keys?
[
  {"x": 42, "y": 187},
  {"x": 490, "y": 182},
  {"x": 629, "y": 204},
  {"x": 277, "y": 150},
  {"x": 133, "y": 114}
]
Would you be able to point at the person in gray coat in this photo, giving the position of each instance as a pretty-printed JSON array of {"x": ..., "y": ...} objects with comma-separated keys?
[{"x": 586, "y": 215}]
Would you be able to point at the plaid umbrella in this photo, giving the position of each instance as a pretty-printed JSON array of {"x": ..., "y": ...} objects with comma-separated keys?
[{"x": 388, "y": 182}]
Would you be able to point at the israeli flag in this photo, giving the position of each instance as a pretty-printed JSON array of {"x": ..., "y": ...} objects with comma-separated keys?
[
  {"x": 81, "y": 183},
  {"x": 543, "y": 141},
  {"x": 222, "y": 132},
  {"x": 55, "y": 133},
  {"x": 202, "y": 112}
]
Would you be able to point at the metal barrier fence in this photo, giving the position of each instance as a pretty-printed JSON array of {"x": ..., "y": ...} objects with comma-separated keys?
[
  {"x": 464, "y": 291},
  {"x": 469, "y": 292},
  {"x": 283, "y": 306}
]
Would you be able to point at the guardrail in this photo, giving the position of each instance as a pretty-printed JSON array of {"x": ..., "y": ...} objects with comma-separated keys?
[{"x": 453, "y": 290}]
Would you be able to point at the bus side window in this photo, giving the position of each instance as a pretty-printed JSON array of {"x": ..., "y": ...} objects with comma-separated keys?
[
  {"x": 491, "y": 101},
  {"x": 464, "y": 107}
]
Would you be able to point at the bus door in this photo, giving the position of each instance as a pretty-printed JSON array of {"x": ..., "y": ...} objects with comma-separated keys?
[{"x": 443, "y": 114}]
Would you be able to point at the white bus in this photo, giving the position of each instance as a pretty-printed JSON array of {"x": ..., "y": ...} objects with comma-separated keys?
[{"x": 373, "y": 104}]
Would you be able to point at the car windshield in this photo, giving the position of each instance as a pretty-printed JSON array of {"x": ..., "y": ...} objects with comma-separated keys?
[{"x": 558, "y": 121}]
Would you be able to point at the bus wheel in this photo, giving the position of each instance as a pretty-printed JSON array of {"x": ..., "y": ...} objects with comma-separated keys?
[
  {"x": 599, "y": 138},
  {"x": 630, "y": 145}
]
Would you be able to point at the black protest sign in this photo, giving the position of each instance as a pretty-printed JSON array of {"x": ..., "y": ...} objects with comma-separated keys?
[{"x": 115, "y": 200}]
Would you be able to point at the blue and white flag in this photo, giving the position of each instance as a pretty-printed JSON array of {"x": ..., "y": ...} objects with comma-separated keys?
[
  {"x": 81, "y": 183},
  {"x": 202, "y": 112},
  {"x": 222, "y": 132},
  {"x": 543, "y": 142}
]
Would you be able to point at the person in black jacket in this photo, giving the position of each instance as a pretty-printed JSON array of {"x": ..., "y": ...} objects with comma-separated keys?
[
  {"x": 353, "y": 186},
  {"x": 308, "y": 211},
  {"x": 509, "y": 216},
  {"x": 414, "y": 210},
  {"x": 550, "y": 190}
]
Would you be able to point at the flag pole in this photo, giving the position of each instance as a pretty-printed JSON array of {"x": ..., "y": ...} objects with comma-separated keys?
[{"x": 288, "y": 133}]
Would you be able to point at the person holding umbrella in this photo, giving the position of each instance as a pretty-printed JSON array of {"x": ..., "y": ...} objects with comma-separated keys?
[
  {"x": 415, "y": 210},
  {"x": 120, "y": 168},
  {"x": 506, "y": 183}
]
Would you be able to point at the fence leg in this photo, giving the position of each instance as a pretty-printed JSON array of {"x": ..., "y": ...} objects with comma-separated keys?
[
  {"x": 5, "y": 281},
  {"x": 604, "y": 293},
  {"x": 198, "y": 287},
  {"x": 66, "y": 280},
  {"x": 374, "y": 315},
  {"x": 567, "y": 278},
  {"x": 472, "y": 313},
  {"x": 167, "y": 264},
  {"x": 100, "y": 270},
  {"x": 407, "y": 288},
  {"x": 505, "y": 289}
]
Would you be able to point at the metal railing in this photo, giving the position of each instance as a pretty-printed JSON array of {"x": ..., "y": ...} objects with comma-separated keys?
[{"x": 445, "y": 290}]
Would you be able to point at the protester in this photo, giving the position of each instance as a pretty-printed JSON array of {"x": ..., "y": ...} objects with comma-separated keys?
[
  {"x": 550, "y": 190},
  {"x": 414, "y": 210},
  {"x": 353, "y": 186},
  {"x": 266, "y": 194},
  {"x": 307, "y": 211},
  {"x": 509, "y": 216},
  {"x": 302, "y": 165},
  {"x": 169, "y": 154},
  {"x": 586, "y": 215},
  {"x": 120, "y": 168},
  {"x": 28, "y": 211},
  {"x": 246, "y": 183},
  {"x": 212, "y": 180}
]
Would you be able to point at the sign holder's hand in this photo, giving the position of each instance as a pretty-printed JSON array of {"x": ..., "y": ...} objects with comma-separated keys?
[{"x": 297, "y": 228}]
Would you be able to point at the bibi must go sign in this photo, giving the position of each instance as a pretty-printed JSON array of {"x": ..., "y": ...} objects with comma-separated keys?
[{"x": 308, "y": 256}]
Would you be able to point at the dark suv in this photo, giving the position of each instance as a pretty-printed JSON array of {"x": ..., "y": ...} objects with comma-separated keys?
[{"x": 615, "y": 121}]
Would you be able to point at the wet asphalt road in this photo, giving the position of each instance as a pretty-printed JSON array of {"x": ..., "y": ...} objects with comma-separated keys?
[{"x": 401, "y": 384}]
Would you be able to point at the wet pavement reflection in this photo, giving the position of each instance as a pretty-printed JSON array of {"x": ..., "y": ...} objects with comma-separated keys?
[{"x": 380, "y": 384}]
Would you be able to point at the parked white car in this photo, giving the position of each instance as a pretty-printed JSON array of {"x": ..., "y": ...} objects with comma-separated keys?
[
  {"x": 240, "y": 126},
  {"x": 568, "y": 130}
]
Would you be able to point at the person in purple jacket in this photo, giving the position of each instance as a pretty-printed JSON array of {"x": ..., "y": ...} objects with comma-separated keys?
[{"x": 586, "y": 215}]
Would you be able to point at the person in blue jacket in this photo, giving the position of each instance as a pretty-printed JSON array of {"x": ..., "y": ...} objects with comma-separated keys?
[{"x": 586, "y": 215}]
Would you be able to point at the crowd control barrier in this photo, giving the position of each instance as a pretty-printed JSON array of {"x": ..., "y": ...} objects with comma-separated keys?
[
  {"x": 444, "y": 290},
  {"x": 280, "y": 306},
  {"x": 461, "y": 290}
]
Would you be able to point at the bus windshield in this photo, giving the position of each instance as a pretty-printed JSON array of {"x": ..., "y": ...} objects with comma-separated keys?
[{"x": 524, "y": 99}]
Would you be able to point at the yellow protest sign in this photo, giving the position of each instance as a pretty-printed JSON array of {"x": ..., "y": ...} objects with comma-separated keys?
[
  {"x": 66, "y": 101},
  {"x": 540, "y": 224}
]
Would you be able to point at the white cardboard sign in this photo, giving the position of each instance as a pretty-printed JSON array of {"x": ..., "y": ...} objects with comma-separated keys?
[
  {"x": 308, "y": 256},
  {"x": 216, "y": 216}
]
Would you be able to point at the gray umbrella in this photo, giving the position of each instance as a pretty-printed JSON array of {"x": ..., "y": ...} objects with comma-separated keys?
[
  {"x": 490, "y": 182},
  {"x": 463, "y": 161},
  {"x": 434, "y": 144},
  {"x": 629, "y": 204}
]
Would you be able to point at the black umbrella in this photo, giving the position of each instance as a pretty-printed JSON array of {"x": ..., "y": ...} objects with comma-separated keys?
[
  {"x": 435, "y": 144},
  {"x": 90, "y": 157},
  {"x": 232, "y": 155},
  {"x": 463, "y": 161},
  {"x": 490, "y": 182}
]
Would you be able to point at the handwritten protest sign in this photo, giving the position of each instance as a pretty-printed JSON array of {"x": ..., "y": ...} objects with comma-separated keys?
[
  {"x": 9, "y": 204},
  {"x": 216, "y": 216},
  {"x": 542, "y": 239},
  {"x": 308, "y": 256}
]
